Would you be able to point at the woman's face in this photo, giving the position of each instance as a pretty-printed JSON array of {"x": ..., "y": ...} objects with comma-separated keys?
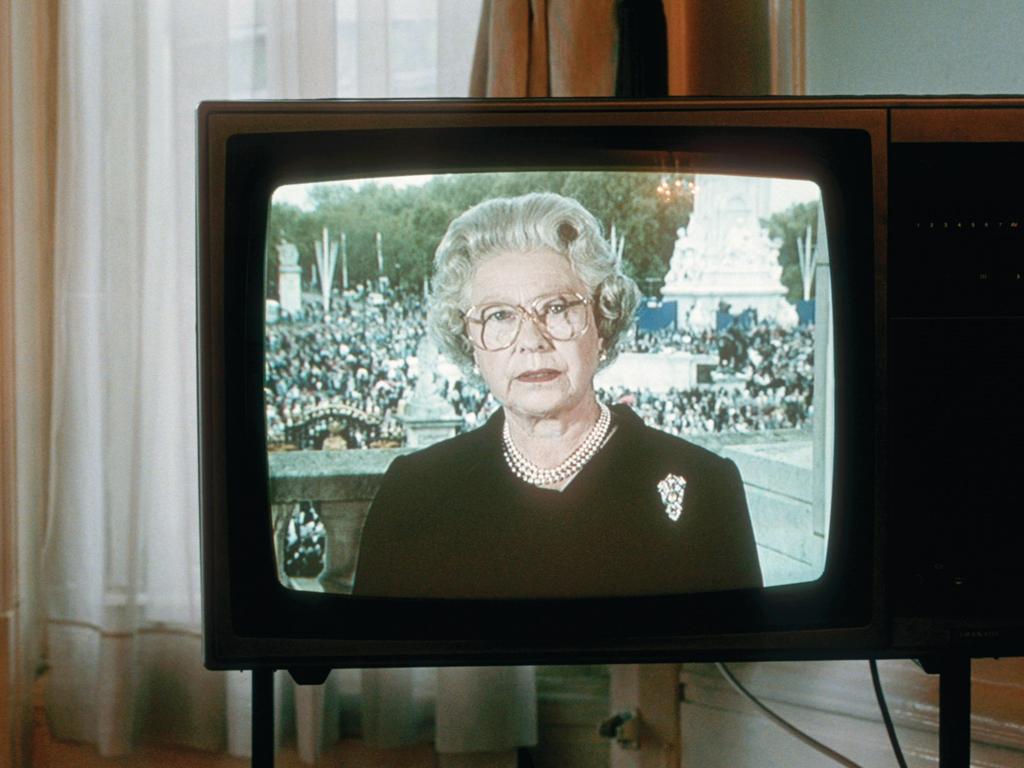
[{"x": 536, "y": 377}]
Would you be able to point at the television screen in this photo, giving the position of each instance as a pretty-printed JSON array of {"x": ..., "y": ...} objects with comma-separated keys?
[{"x": 725, "y": 349}]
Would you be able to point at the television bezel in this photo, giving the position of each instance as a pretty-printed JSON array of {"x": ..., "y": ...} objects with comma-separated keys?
[{"x": 247, "y": 149}]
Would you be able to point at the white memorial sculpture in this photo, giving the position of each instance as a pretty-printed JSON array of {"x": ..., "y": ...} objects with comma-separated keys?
[
  {"x": 428, "y": 416},
  {"x": 725, "y": 255},
  {"x": 289, "y": 278}
]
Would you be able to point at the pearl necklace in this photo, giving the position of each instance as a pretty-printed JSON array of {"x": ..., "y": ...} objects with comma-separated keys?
[{"x": 529, "y": 472}]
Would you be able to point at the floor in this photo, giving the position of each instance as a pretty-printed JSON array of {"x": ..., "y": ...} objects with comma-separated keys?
[
  {"x": 350, "y": 754},
  {"x": 48, "y": 752},
  {"x": 572, "y": 700}
]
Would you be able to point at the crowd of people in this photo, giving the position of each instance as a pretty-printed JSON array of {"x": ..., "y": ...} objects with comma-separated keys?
[
  {"x": 305, "y": 542},
  {"x": 361, "y": 353},
  {"x": 673, "y": 340}
]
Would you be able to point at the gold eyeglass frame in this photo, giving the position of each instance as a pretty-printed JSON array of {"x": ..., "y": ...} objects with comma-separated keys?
[{"x": 523, "y": 313}]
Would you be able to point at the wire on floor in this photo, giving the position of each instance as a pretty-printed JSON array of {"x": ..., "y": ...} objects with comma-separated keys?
[
  {"x": 782, "y": 722},
  {"x": 889, "y": 727}
]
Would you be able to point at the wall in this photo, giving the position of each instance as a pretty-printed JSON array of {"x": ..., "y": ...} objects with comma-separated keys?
[{"x": 914, "y": 46}]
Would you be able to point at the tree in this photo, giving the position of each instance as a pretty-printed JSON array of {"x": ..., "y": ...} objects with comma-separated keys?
[
  {"x": 787, "y": 227},
  {"x": 648, "y": 222},
  {"x": 412, "y": 219}
]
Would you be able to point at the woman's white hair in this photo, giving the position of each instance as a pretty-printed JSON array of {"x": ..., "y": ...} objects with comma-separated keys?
[{"x": 525, "y": 224}]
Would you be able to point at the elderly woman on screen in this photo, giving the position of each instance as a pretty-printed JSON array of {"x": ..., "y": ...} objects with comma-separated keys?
[{"x": 558, "y": 494}]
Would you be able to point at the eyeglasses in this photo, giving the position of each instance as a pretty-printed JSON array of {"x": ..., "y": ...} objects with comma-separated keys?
[{"x": 559, "y": 316}]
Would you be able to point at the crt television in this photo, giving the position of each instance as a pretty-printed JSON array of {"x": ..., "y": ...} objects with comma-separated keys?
[{"x": 831, "y": 301}]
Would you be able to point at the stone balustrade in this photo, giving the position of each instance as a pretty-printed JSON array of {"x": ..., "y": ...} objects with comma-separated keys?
[{"x": 342, "y": 484}]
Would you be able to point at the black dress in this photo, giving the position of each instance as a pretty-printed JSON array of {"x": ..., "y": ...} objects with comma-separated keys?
[{"x": 453, "y": 521}]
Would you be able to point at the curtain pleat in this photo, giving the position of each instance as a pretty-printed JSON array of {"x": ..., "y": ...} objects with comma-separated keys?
[
  {"x": 301, "y": 49},
  {"x": 562, "y": 48},
  {"x": 27, "y": 119}
]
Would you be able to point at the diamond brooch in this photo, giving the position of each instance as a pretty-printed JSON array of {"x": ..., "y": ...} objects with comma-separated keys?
[{"x": 672, "y": 490}]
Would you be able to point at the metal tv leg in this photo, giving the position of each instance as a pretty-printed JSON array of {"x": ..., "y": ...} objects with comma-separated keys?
[
  {"x": 262, "y": 718},
  {"x": 955, "y": 712}
]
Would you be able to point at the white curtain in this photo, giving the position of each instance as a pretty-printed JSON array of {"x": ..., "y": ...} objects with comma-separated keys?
[{"x": 121, "y": 550}]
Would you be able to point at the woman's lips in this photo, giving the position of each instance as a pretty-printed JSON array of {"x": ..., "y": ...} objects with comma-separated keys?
[{"x": 539, "y": 376}]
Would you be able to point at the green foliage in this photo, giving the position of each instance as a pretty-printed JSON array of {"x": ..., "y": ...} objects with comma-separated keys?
[
  {"x": 786, "y": 227},
  {"x": 412, "y": 220}
]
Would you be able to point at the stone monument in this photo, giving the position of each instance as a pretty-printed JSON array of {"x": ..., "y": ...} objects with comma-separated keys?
[
  {"x": 428, "y": 417},
  {"x": 289, "y": 278},
  {"x": 725, "y": 255}
]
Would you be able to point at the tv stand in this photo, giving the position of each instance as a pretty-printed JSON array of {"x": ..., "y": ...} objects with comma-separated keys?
[
  {"x": 263, "y": 718},
  {"x": 954, "y": 671}
]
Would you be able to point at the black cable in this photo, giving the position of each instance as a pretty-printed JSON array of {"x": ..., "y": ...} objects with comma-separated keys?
[{"x": 889, "y": 727}]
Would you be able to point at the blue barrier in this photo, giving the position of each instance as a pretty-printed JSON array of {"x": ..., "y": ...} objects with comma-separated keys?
[
  {"x": 805, "y": 311},
  {"x": 654, "y": 317}
]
